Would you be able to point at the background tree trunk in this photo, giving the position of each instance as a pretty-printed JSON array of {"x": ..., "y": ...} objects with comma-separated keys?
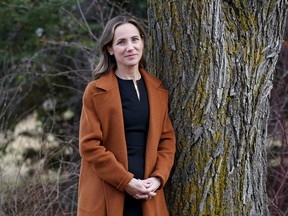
[{"x": 217, "y": 59}]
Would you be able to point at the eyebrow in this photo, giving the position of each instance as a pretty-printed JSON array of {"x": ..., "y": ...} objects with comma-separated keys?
[{"x": 125, "y": 38}]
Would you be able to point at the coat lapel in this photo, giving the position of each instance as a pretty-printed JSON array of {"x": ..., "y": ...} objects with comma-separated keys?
[
  {"x": 109, "y": 105},
  {"x": 158, "y": 97}
]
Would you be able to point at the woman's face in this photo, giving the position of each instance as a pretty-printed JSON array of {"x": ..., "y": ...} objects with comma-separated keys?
[{"x": 127, "y": 46}]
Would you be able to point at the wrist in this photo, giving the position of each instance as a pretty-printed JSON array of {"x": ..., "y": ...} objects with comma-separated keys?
[{"x": 159, "y": 180}]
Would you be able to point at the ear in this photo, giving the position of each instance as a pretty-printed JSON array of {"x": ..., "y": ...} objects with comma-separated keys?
[{"x": 110, "y": 50}]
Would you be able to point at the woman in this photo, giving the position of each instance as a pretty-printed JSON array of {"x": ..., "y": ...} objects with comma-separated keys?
[{"x": 127, "y": 142}]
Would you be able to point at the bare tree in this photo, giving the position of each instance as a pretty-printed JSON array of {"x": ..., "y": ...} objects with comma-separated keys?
[{"x": 217, "y": 58}]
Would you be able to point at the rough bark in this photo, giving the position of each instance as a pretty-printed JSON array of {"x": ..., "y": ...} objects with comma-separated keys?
[{"x": 217, "y": 59}]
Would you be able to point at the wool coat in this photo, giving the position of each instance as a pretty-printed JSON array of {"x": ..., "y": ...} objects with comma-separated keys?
[{"x": 104, "y": 167}]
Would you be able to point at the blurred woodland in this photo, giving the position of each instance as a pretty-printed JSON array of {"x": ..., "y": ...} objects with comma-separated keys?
[{"x": 48, "y": 49}]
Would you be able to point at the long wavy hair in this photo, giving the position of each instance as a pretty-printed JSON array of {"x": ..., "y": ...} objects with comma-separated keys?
[{"x": 107, "y": 62}]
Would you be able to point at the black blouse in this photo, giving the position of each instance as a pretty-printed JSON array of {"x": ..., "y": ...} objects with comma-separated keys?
[{"x": 136, "y": 121}]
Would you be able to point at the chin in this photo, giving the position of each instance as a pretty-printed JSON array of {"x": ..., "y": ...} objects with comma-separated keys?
[{"x": 131, "y": 64}]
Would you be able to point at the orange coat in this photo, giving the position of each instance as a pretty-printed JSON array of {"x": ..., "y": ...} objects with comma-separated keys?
[{"x": 103, "y": 174}]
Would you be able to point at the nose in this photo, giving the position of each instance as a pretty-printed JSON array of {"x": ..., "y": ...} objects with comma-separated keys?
[{"x": 130, "y": 46}]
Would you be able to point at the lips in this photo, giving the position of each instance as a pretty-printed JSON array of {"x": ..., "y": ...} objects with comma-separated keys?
[{"x": 131, "y": 55}]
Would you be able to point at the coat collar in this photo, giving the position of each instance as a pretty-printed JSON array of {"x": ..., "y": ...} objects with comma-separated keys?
[{"x": 108, "y": 80}]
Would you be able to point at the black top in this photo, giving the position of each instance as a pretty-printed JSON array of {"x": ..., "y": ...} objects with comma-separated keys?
[{"x": 136, "y": 122}]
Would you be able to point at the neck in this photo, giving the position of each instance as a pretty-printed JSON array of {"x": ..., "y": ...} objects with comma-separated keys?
[{"x": 128, "y": 73}]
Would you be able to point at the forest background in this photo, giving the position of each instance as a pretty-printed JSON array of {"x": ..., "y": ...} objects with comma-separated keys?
[{"x": 48, "y": 50}]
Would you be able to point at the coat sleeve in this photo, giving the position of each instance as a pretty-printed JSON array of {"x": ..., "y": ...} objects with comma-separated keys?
[
  {"x": 91, "y": 148},
  {"x": 166, "y": 151}
]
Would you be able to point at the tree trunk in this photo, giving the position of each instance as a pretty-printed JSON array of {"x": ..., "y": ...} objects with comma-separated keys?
[{"x": 217, "y": 60}]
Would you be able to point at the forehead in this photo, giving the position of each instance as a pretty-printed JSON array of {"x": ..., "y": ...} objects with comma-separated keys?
[{"x": 125, "y": 31}]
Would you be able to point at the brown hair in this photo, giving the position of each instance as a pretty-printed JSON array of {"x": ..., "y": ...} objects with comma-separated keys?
[{"x": 107, "y": 62}]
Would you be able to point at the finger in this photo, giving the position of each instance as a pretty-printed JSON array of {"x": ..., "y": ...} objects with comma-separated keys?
[
  {"x": 139, "y": 187},
  {"x": 151, "y": 194},
  {"x": 152, "y": 187},
  {"x": 141, "y": 190},
  {"x": 141, "y": 196},
  {"x": 146, "y": 184}
]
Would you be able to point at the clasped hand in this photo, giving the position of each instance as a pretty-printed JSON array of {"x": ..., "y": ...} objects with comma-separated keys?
[{"x": 143, "y": 189}]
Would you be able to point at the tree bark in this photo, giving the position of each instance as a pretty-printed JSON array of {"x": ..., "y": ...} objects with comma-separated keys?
[{"x": 217, "y": 60}]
